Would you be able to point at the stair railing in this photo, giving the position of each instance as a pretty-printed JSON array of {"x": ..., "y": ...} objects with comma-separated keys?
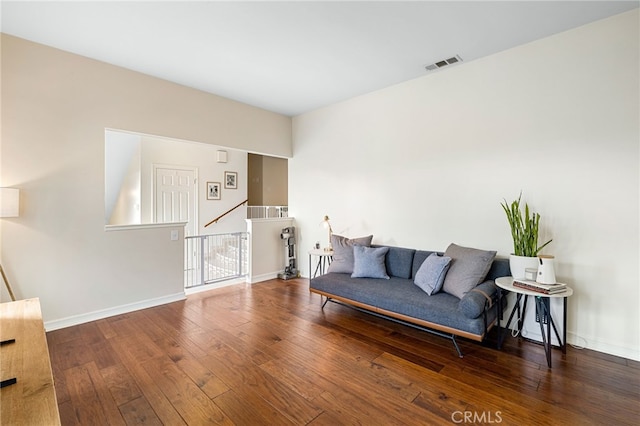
[
  {"x": 215, "y": 257},
  {"x": 226, "y": 213},
  {"x": 267, "y": 212}
]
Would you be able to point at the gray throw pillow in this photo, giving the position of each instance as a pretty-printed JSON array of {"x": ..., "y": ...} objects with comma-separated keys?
[
  {"x": 368, "y": 262},
  {"x": 468, "y": 268},
  {"x": 343, "y": 252},
  {"x": 430, "y": 276}
]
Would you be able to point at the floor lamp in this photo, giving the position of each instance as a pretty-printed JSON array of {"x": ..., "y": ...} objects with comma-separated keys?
[{"x": 9, "y": 207}]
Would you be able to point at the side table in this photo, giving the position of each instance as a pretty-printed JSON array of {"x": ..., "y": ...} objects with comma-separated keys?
[
  {"x": 324, "y": 260},
  {"x": 506, "y": 284}
]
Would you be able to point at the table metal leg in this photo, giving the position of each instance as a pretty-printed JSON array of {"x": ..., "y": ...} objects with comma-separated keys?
[
  {"x": 562, "y": 342},
  {"x": 549, "y": 323},
  {"x": 499, "y": 318},
  {"x": 521, "y": 318},
  {"x": 543, "y": 307},
  {"x": 321, "y": 265},
  {"x": 555, "y": 330},
  {"x": 319, "y": 268},
  {"x": 546, "y": 336},
  {"x": 516, "y": 308},
  {"x": 564, "y": 327}
]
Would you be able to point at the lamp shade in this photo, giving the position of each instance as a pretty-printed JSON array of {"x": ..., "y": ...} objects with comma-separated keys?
[{"x": 9, "y": 202}]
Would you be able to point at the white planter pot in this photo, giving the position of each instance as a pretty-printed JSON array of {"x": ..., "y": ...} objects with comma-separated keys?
[{"x": 518, "y": 264}]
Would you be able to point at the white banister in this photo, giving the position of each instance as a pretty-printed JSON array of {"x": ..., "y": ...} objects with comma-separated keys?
[
  {"x": 267, "y": 212},
  {"x": 215, "y": 257}
]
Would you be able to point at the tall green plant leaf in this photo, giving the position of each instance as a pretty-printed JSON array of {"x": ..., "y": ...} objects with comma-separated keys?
[{"x": 524, "y": 229}]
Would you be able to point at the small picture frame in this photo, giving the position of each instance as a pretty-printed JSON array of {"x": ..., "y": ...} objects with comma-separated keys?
[
  {"x": 231, "y": 180},
  {"x": 213, "y": 191}
]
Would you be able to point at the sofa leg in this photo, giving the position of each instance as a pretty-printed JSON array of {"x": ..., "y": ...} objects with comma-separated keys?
[
  {"x": 325, "y": 302},
  {"x": 453, "y": 339}
]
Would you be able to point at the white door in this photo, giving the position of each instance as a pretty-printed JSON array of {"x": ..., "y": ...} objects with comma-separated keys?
[{"x": 175, "y": 197}]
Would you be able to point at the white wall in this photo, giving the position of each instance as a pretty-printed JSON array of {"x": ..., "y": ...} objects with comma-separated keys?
[
  {"x": 267, "y": 256},
  {"x": 427, "y": 162},
  {"x": 55, "y": 109},
  {"x": 127, "y": 208},
  {"x": 121, "y": 189},
  {"x": 203, "y": 157}
]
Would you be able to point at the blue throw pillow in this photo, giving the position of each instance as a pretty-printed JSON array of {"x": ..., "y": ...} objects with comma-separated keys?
[
  {"x": 343, "y": 252},
  {"x": 430, "y": 276},
  {"x": 368, "y": 262}
]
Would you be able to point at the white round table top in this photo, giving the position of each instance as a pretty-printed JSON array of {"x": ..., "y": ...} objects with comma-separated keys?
[
  {"x": 321, "y": 252},
  {"x": 506, "y": 283}
]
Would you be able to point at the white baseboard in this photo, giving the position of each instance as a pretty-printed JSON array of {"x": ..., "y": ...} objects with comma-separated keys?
[
  {"x": 262, "y": 277},
  {"x": 105, "y": 313},
  {"x": 211, "y": 286},
  {"x": 588, "y": 342},
  {"x": 592, "y": 343}
]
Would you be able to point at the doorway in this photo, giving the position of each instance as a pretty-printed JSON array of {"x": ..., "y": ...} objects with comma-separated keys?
[{"x": 175, "y": 200}]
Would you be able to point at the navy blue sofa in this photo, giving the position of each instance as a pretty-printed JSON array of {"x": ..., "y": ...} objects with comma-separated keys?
[{"x": 399, "y": 299}]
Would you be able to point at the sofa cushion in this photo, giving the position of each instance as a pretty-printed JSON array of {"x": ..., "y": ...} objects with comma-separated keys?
[
  {"x": 343, "y": 252},
  {"x": 432, "y": 272},
  {"x": 499, "y": 268},
  {"x": 469, "y": 267},
  {"x": 369, "y": 262},
  {"x": 399, "y": 262},
  {"x": 473, "y": 303},
  {"x": 403, "y": 297}
]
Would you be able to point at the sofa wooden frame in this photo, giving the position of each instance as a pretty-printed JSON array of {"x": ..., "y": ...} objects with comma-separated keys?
[{"x": 422, "y": 325}]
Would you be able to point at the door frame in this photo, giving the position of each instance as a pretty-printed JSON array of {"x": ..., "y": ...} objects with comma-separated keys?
[{"x": 196, "y": 199}]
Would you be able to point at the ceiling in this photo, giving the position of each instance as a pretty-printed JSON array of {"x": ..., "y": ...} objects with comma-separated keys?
[{"x": 292, "y": 57}]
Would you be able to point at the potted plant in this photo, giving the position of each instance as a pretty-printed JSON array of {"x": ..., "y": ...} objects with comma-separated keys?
[{"x": 524, "y": 231}]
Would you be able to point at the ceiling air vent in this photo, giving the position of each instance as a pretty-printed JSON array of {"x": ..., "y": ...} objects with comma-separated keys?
[{"x": 444, "y": 63}]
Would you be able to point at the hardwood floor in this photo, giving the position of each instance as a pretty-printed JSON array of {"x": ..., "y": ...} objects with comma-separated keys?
[{"x": 267, "y": 354}]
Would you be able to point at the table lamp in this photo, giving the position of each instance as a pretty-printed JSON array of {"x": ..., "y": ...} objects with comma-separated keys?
[{"x": 325, "y": 222}]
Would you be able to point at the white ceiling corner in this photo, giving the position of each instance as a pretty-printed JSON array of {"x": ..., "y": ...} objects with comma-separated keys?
[{"x": 293, "y": 56}]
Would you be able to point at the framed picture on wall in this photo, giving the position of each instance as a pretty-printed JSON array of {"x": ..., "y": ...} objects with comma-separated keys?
[
  {"x": 231, "y": 180},
  {"x": 213, "y": 191}
]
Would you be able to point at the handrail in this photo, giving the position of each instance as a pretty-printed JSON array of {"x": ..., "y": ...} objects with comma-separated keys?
[{"x": 226, "y": 213}]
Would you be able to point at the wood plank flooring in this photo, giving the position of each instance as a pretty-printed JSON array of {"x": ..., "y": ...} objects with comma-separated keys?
[{"x": 268, "y": 355}]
